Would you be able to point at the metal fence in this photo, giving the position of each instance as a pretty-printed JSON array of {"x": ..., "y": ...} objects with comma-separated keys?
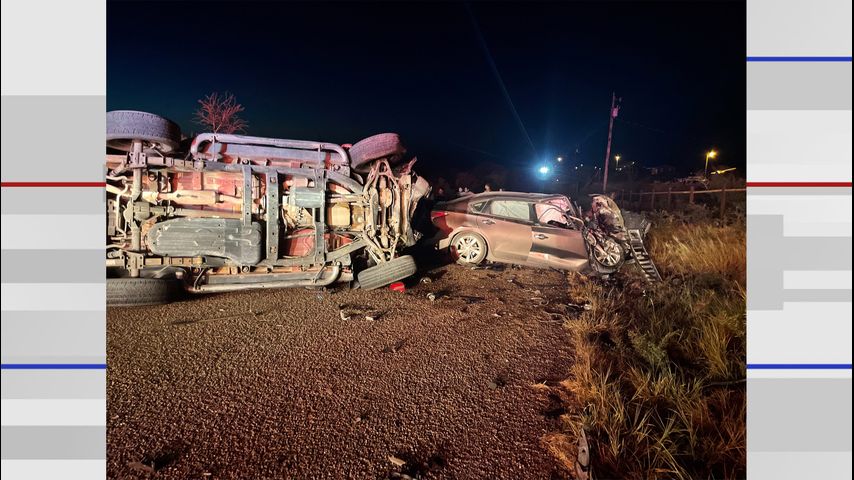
[{"x": 679, "y": 199}]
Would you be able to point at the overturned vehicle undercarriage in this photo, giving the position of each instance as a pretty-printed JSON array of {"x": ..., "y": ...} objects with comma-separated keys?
[{"x": 236, "y": 212}]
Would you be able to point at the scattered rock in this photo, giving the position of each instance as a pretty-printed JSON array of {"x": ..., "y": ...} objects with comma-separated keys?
[
  {"x": 396, "y": 461},
  {"x": 580, "y": 306},
  {"x": 396, "y": 347},
  {"x": 426, "y": 280},
  {"x": 141, "y": 467},
  {"x": 431, "y": 296}
]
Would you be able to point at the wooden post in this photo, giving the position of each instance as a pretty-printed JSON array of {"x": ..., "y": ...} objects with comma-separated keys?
[
  {"x": 652, "y": 200},
  {"x": 669, "y": 197},
  {"x": 691, "y": 196},
  {"x": 723, "y": 202}
]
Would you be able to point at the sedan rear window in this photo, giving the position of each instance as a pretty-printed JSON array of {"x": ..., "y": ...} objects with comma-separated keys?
[{"x": 511, "y": 209}]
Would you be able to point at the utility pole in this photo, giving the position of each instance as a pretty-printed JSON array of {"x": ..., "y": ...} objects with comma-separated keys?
[{"x": 612, "y": 115}]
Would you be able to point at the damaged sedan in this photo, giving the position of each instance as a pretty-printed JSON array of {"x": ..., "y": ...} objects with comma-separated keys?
[
  {"x": 541, "y": 230},
  {"x": 232, "y": 212}
]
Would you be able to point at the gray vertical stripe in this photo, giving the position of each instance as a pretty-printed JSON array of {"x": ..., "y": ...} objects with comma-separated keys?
[
  {"x": 798, "y": 27},
  {"x": 54, "y": 384},
  {"x": 58, "y": 443},
  {"x": 799, "y": 415},
  {"x": 53, "y": 138},
  {"x": 55, "y": 359},
  {"x": 771, "y": 253},
  {"x": 79, "y": 334},
  {"x": 796, "y": 295},
  {"x": 52, "y": 266},
  {"x": 804, "y": 191},
  {"x": 799, "y": 465},
  {"x": 798, "y": 86},
  {"x": 53, "y": 201}
]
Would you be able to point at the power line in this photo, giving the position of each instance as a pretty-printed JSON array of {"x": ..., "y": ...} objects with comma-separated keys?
[{"x": 498, "y": 78}]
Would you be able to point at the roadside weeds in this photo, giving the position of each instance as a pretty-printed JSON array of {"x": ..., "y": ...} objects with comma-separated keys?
[{"x": 657, "y": 383}]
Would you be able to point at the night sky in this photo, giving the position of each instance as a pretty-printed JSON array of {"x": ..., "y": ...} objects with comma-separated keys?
[{"x": 339, "y": 72}]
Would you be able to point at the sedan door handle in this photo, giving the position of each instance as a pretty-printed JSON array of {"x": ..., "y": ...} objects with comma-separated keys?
[
  {"x": 487, "y": 222},
  {"x": 541, "y": 236}
]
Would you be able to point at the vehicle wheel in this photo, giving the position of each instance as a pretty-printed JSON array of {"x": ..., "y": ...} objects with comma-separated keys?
[
  {"x": 386, "y": 273},
  {"x": 129, "y": 292},
  {"x": 384, "y": 145},
  {"x": 608, "y": 256},
  {"x": 469, "y": 248},
  {"x": 125, "y": 126}
]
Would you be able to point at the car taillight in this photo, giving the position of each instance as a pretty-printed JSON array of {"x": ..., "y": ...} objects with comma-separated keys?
[{"x": 438, "y": 214}]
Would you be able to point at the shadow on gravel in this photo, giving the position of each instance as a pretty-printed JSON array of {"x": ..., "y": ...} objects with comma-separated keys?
[
  {"x": 160, "y": 460},
  {"x": 417, "y": 466}
]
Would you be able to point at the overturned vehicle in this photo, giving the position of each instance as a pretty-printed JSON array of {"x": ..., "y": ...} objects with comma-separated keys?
[
  {"x": 234, "y": 212},
  {"x": 542, "y": 230}
]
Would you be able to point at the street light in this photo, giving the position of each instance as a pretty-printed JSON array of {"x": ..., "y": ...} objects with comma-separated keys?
[
  {"x": 559, "y": 159},
  {"x": 617, "y": 159},
  {"x": 711, "y": 154},
  {"x": 544, "y": 170}
]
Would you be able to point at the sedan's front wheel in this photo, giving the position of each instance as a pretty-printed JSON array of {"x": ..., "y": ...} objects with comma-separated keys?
[
  {"x": 469, "y": 248},
  {"x": 607, "y": 255}
]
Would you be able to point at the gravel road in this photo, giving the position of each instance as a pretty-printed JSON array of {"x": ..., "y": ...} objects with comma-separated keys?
[{"x": 302, "y": 383}]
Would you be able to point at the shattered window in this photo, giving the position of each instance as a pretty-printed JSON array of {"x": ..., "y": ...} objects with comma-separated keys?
[
  {"x": 511, "y": 209},
  {"x": 547, "y": 213},
  {"x": 477, "y": 207}
]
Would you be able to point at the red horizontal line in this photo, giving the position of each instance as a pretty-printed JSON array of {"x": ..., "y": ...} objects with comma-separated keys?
[
  {"x": 799, "y": 184},
  {"x": 53, "y": 184}
]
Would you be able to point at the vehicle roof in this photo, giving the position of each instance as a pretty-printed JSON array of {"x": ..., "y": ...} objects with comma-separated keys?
[{"x": 506, "y": 195}]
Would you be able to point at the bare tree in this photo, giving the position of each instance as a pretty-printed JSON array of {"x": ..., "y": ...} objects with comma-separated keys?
[{"x": 219, "y": 114}]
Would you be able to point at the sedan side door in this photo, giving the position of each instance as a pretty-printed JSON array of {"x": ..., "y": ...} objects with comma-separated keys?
[
  {"x": 556, "y": 241},
  {"x": 506, "y": 226}
]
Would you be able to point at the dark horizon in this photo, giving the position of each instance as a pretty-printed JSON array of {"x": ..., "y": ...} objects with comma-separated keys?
[{"x": 340, "y": 72}]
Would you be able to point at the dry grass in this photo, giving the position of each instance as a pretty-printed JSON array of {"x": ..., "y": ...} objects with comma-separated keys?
[{"x": 658, "y": 382}]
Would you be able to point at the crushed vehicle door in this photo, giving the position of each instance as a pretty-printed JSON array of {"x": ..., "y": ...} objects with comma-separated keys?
[
  {"x": 507, "y": 225},
  {"x": 555, "y": 240}
]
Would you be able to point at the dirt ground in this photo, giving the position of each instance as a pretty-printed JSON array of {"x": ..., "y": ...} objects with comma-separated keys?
[{"x": 299, "y": 383}]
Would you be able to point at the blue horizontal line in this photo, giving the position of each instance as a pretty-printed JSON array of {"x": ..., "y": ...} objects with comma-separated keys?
[
  {"x": 799, "y": 366},
  {"x": 798, "y": 59},
  {"x": 53, "y": 366}
]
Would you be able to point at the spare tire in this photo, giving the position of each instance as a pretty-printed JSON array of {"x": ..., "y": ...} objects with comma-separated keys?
[
  {"x": 125, "y": 126},
  {"x": 385, "y": 273},
  {"x": 130, "y": 292},
  {"x": 384, "y": 145}
]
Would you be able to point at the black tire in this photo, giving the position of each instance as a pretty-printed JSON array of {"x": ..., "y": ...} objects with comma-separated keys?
[
  {"x": 389, "y": 272},
  {"x": 125, "y": 126},
  {"x": 130, "y": 292},
  {"x": 470, "y": 258},
  {"x": 384, "y": 145}
]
